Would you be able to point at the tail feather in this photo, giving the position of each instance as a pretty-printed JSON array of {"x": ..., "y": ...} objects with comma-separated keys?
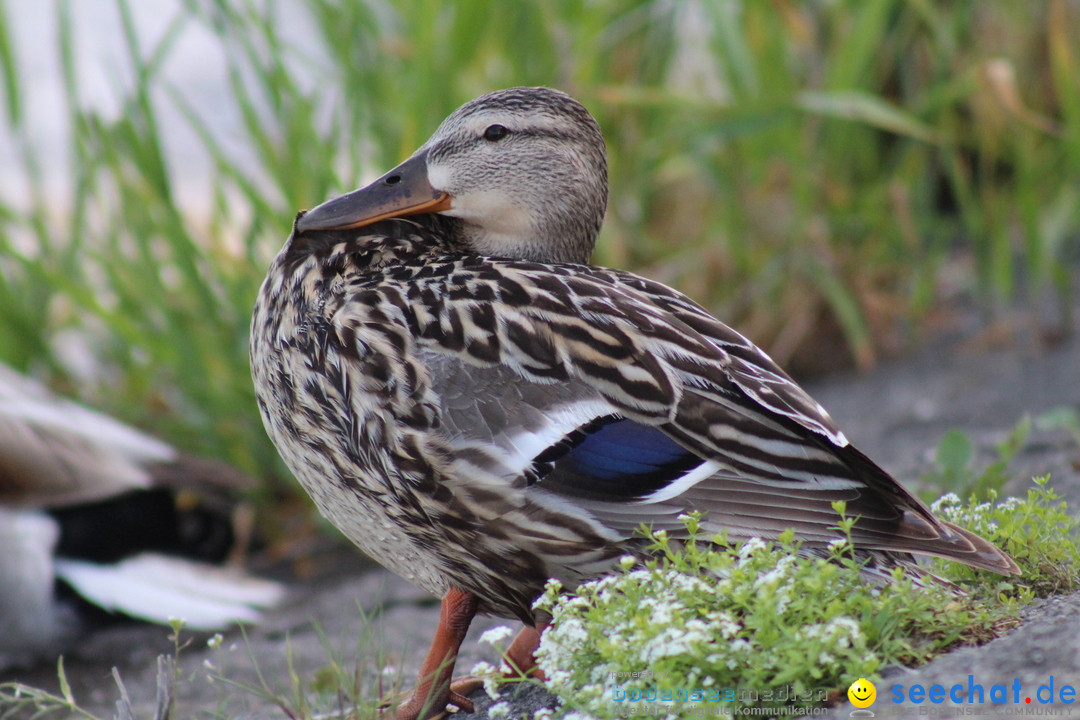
[
  {"x": 947, "y": 541},
  {"x": 917, "y": 530},
  {"x": 983, "y": 554},
  {"x": 158, "y": 588}
]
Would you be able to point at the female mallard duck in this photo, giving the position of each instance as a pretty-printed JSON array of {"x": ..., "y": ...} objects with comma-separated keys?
[{"x": 480, "y": 410}]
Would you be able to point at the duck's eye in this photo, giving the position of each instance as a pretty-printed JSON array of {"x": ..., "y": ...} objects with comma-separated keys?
[{"x": 495, "y": 132}]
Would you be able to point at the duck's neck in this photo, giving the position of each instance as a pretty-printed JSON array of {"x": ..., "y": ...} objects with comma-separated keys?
[{"x": 558, "y": 237}]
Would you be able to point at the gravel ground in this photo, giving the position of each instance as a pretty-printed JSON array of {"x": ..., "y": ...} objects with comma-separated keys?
[{"x": 896, "y": 414}]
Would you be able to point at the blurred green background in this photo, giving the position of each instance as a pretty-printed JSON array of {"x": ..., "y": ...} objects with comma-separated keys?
[{"x": 822, "y": 175}]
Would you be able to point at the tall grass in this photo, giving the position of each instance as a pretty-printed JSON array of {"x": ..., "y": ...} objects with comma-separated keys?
[{"x": 804, "y": 169}]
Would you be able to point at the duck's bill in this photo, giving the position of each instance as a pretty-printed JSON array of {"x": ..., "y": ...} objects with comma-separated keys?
[{"x": 405, "y": 190}]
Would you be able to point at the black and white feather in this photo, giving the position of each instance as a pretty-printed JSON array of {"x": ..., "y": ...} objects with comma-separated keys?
[{"x": 89, "y": 512}]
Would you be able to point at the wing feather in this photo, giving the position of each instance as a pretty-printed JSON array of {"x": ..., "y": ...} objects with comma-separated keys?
[{"x": 603, "y": 342}]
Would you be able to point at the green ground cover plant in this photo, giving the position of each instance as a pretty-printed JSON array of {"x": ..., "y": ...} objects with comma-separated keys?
[{"x": 759, "y": 626}]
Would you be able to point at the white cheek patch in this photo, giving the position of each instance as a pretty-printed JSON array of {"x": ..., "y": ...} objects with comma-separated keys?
[
  {"x": 438, "y": 176},
  {"x": 493, "y": 211},
  {"x": 498, "y": 223}
]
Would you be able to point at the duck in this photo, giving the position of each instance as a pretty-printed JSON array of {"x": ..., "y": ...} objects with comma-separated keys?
[
  {"x": 100, "y": 521},
  {"x": 479, "y": 409}
]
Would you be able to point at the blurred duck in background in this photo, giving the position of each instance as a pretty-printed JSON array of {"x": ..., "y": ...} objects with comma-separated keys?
[{"x": 94, "y": 511}]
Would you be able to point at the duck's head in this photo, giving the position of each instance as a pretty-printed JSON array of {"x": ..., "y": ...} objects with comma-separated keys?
[{"x": 522, "y": 172}]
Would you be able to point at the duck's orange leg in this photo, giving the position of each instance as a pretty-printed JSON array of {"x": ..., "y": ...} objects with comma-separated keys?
[
  {"x": 521, "y": 655},
  {"x": 433, "y": 691}
]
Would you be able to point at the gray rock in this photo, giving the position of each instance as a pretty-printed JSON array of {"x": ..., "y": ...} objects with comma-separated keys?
[{"x": 1045, "y": 649}]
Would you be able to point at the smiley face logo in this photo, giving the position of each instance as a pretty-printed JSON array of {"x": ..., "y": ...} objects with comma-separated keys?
[{"x": 862, "y": 693}]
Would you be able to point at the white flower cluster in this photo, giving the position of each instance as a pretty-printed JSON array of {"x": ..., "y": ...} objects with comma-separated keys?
[
  {"x": 495, "y": 635},
  {"x": 950, "y": 502},
  {"x": 978, "y": 517},
  {"x": 491, "y": 676},
  {"x": 699, "y": 622},
  {"x": 840, "y": 633}
]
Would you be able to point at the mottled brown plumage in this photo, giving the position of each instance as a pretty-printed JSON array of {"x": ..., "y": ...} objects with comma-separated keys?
[{"x": 480, "y": 410}]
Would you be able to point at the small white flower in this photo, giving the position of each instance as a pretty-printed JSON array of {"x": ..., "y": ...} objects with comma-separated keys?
[
  {"x": 750, "y": 547},
  {"x": 726, "y": 623},
  {"x": 557, "y": 677},
  {"x": 1010, "y": 503},
  {"x": 480, "y": 669},
  {"x": 499, "y": 710},
  {"x": 491, "y": 675},
  {"x": 548, "y": 600},
  {"x": 945, "y": 502},
  {"x": 215, "y": 642},
  {"x": 496, "y": 634}
]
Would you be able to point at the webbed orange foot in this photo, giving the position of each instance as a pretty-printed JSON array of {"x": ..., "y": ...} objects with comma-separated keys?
[{"x": 437, "y": 688}]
